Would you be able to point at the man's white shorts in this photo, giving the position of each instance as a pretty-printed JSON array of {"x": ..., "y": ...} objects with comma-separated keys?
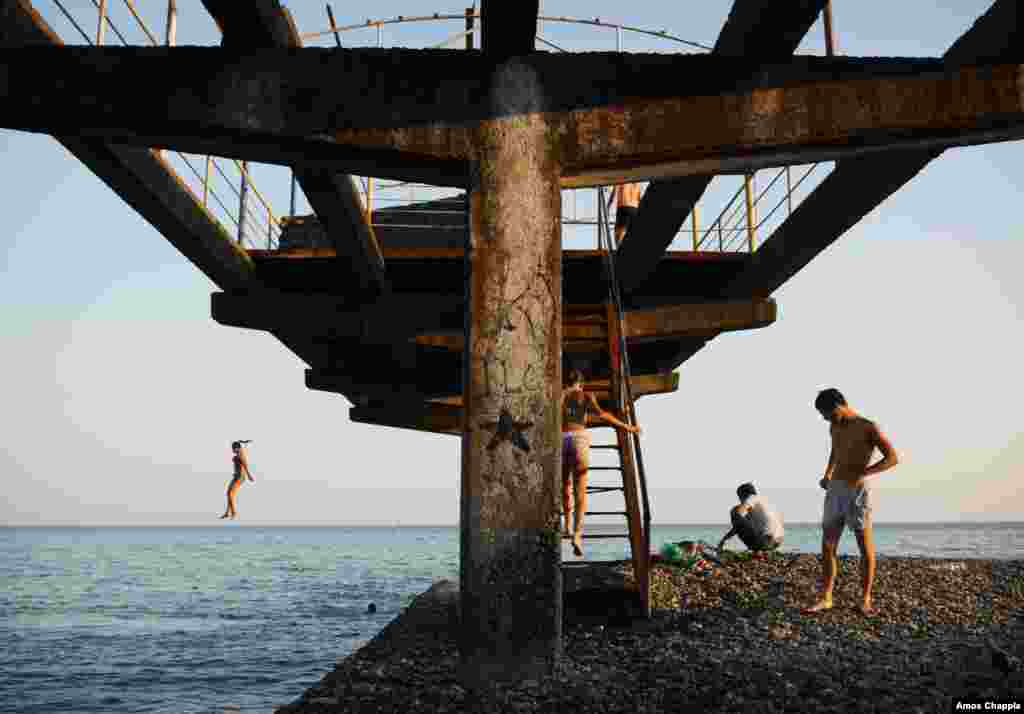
[{"x": 846, "y": 505}]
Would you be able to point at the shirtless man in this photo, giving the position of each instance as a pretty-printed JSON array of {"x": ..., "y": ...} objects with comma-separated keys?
[
  {"x": 849, "y": 500},
  {"x": 627, "y": 199}
]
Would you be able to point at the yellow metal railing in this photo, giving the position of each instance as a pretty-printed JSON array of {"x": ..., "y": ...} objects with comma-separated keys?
[
  {"x": 225, "y": 185},
  {"x": 267, "y": 224},
  {"x": 738, "y": 219}
]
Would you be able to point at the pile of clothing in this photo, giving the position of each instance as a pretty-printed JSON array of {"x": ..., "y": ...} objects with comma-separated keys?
[{"x": 687, "y": 555}]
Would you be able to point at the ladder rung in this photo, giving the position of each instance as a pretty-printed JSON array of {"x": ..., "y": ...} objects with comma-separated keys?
[
  {"x": 598, "y": 536},
  {"x": 604, "y": 536},
  {"x": 603, "y": 489},
  {"x": 606, "y": 446},
  {"x": 604, "y": 468},
  {"x": 606, "y": 513},
  {"x": 582, "y": 564}
]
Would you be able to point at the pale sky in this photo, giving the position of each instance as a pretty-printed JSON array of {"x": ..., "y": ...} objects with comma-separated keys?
[{"x": 119, "y": 394}]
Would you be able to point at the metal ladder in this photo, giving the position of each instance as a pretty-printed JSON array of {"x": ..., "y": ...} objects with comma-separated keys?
[{"x": 627, "y": 445}]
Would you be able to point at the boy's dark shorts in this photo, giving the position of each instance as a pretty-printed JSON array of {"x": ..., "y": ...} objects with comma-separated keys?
[{"x": 624, "y": 216}]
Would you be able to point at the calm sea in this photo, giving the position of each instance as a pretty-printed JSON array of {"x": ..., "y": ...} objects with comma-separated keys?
[{"x": 192, "y": 619}]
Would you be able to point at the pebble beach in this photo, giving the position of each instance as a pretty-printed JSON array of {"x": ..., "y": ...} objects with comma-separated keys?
[{"x": 729, "y": 638}]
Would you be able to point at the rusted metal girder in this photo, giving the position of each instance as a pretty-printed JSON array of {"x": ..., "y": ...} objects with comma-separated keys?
[
  {"x": 446, "y": 417},
  {"x": 763, "y": 127},
  {"x": 858, "y": 185},
  {"x": 146, "y": 183},
  {"x": 508, "y": 28},
  {"x": 764, "y": 30},
  {"x": 394, "y": 317},
  {"x": 333, "y": 196},
  {"x": 424, "y": 416},
  {"x": 140, "y": 176},
  {"x": 510, "y": 574},
  {"x": 437, "y": 319},
  {"x": 278, "y": 104},
  {"x": 698, "y": 320}
]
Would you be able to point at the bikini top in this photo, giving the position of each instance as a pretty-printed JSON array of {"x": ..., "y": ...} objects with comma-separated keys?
[{"x": 576, "y": 410}]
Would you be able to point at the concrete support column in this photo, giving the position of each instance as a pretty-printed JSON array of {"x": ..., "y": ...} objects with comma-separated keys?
[{"x": 511, "y": 589}]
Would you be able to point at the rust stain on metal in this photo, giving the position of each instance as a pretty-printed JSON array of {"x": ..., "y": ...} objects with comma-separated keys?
[{"x": 654, "y": 131}]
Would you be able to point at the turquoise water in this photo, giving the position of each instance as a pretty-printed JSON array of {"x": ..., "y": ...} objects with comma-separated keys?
[{"x": 191, "y": 619}]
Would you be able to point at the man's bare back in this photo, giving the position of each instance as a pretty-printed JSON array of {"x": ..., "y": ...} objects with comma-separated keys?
[
  {"x": 628, "y": 194},
  {"x": 853, "y": 441}
]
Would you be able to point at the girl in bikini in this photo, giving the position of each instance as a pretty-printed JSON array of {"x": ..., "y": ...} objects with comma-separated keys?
[
  {"x": 240, "y": 470},
  {"x": 576, "y": 406}
]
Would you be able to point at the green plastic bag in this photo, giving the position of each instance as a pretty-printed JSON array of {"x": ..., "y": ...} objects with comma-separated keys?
[{"x": 672, "y": 552}]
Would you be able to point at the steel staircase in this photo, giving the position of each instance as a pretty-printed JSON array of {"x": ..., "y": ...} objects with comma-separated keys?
[{"x": 620, "y": 402}]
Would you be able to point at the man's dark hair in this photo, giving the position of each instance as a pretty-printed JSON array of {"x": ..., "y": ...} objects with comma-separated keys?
[
  {"x": 574, "y": 376},
  {"x": 829, "y": 399},
  {"x": 745, "y": 491}
]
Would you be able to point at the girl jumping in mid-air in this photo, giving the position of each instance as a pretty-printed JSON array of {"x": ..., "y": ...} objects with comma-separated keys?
[{"x": 240, "y": 468}]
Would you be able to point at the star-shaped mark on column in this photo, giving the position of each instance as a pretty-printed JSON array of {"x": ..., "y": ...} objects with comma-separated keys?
[{"x": 507, "y": 429}]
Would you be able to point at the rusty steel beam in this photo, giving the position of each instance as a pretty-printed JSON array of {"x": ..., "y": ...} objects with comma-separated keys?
[
  {"x": 253, "y": 24},
  {"x": 422, "y": 416},
  {"x": 147, "y": 184},
  {"x": 828, "y": 114},
  {"x": 407, "y": 385},
  {"x": 508, "y": 28},
  {"x": 763, "y": 30},
  {"x": 333, "y": 196},
  {"x": 435, "y": 319},
  {"x": 393, "y": 317},
  {"x": 447, "y": 417},
  {"x": 857, "y": 186},
  {"x": 141, "y": 177},
  {"x": 697, "y": 320}
]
